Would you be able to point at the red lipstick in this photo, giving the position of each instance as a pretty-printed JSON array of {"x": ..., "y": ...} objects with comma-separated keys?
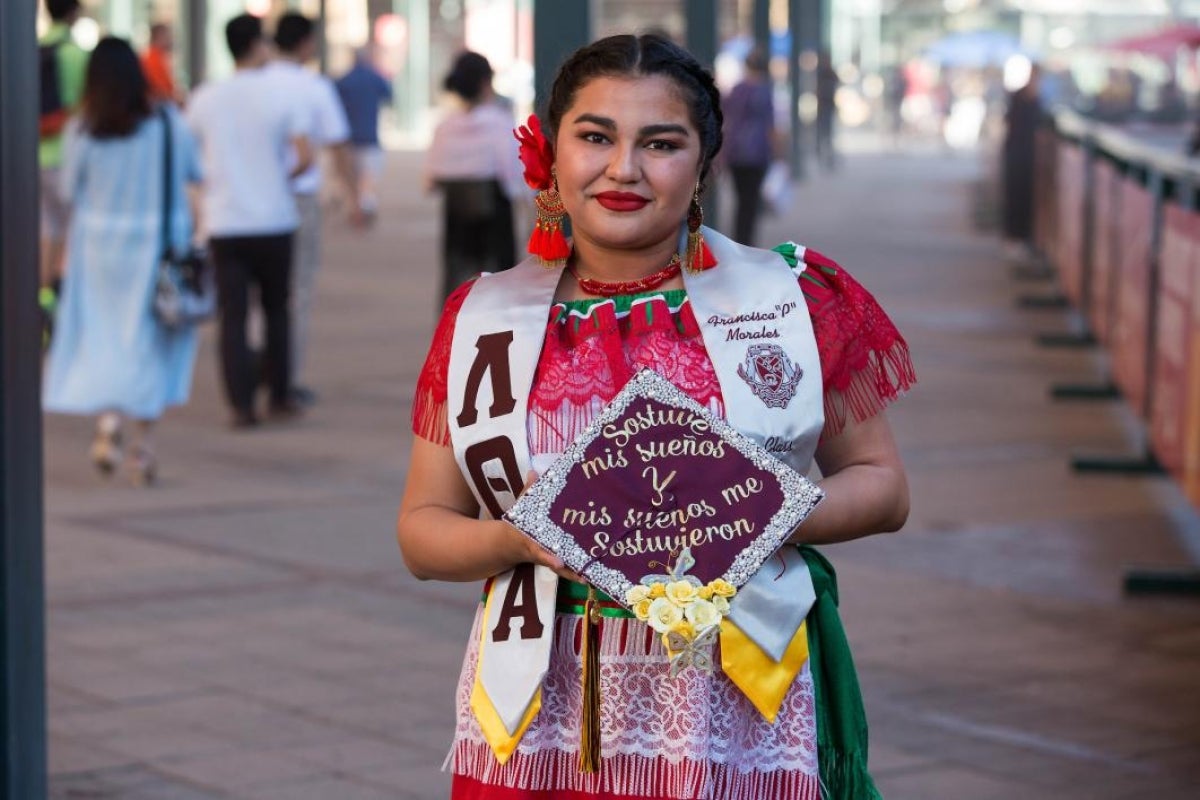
[{"x": 621, "y": 201}]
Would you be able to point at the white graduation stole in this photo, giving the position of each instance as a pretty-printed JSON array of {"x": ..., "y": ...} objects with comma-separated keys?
[{"x": 759, "y": 336}]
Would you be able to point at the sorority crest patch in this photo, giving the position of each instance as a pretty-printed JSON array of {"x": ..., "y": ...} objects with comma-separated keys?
[{"x": 771, "y": 374}]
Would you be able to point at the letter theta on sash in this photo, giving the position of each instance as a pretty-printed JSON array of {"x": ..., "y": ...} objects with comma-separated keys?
[
  {"x": 491, "y": 356},
  {"x": 491, "y": 478},
  {"x": 520, "y": 602}
]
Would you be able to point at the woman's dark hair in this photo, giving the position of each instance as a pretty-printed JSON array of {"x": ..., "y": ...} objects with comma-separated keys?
[
  {"x": 469, "y": 76},
  {"x": 631, "y": 56},
  {"x": 115, "y": 99}
]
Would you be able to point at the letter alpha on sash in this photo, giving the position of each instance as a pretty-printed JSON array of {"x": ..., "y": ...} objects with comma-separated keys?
[
  {"x": 492, "y": 354},
  {"x": 524, "y": 607}
]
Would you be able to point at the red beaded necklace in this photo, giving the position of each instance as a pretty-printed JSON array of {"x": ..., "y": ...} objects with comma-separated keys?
[{"x": 614, "y": 288}]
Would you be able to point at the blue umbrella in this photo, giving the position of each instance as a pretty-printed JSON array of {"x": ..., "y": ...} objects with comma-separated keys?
[{"x": 979, "y": 48}]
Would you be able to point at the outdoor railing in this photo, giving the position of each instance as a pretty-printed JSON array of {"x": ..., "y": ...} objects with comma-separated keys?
[{"x": 1119, "y": 221}]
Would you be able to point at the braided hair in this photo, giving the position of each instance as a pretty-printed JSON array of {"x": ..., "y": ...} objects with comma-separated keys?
[{"x": 631, "y": 56}]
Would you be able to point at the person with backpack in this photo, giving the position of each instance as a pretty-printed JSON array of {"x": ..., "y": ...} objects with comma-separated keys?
[{"x": 61, "y": 67}]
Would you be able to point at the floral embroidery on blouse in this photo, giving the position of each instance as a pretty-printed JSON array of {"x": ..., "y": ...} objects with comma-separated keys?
[{"x": 592, "y": 347}]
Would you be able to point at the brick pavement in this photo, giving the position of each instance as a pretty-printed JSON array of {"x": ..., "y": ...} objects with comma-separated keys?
[{"x": 246, "y": 629}]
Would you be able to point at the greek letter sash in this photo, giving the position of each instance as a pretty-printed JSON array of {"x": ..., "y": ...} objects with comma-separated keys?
[{"x": 759, "y": 336}]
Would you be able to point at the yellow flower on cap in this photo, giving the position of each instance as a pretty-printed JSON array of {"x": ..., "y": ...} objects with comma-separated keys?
[
  {"x": 722, "y": 588},
  {"x": 682, "y": 593},
  {"x": 641, "y": 609},
  {"x": 658, "y": 590},
  {"x": 702, "y": 614},
  {"x": 636, "y": 594},
  {"x": 662, "y": 615},
  {"x": 705, "y": 592},
  {"x": 684, "y": 629}
]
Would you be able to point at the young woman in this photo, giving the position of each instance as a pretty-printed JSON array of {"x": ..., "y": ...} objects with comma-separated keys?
[
  {"x": 109, "y": 355},
  {"x": 472, "y": 161},
  {"x": 634, "y": 124}
]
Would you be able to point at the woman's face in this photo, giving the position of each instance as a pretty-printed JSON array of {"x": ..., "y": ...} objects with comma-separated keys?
[{"x": 627, "y": 157}]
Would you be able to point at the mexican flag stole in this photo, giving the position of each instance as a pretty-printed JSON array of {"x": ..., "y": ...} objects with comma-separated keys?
[{"x": 759, "y": 336}]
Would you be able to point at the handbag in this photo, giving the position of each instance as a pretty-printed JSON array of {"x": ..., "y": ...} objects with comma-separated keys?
[
  {"x": 184, "y": 292},
  {"x": 777, "y": 188}
]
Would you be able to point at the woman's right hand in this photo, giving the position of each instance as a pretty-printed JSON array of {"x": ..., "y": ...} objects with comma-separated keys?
[{"x": 527, "y": 551}]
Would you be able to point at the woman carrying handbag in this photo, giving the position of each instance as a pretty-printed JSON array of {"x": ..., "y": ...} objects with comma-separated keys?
[{"x": 111, "y": 355}]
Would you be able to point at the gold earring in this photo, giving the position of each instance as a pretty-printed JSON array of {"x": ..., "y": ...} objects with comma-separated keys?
[{"x": 697, "y": 256}]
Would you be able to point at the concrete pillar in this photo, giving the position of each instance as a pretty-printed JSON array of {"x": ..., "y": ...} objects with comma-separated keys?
[{"x": 22, "y": 591}]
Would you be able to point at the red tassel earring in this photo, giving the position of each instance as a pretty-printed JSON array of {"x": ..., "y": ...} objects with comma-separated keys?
[
  {"x": 547, "y": 242},
  {"x": 698, "y": 257}
]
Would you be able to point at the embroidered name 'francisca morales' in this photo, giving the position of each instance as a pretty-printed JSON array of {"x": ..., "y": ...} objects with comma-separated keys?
[{"x": 753, "y": 316}]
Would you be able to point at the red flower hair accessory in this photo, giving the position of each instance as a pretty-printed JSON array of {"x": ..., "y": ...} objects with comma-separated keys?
[
  {"x": 547, "y": 241},
  {"x": 535, "y": 154}
]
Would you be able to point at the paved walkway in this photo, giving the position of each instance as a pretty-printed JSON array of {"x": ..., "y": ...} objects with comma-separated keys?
[{"x": 247, "y": 629}]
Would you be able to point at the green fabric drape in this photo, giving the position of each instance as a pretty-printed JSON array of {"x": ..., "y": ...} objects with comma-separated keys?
[{"x": 841, "y": 720}]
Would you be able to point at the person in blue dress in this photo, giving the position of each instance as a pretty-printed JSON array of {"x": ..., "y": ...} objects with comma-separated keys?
[{"x": 109, "y": 355}]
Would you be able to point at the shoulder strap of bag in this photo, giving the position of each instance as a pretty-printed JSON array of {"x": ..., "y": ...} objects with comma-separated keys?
[{"x": 167, "y": 194}]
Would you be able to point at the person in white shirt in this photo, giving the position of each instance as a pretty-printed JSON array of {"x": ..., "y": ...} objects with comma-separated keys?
[
  {"x": 474, "y": 161},
  {"x": 326, "y": 126},
  {"x": 252, "y": 143}
]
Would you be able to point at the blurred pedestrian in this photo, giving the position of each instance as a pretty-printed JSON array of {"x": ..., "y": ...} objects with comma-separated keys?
[
  {"x": 473, "y": 161},
  {"x": 110, "y": 356},
  {"x": 750, "y": 142},
  {"x": 61, "y": 66},
  {"x": 253, "y": 142},
  {"x": 158, "y": 64},
  {"x": 827, "y": 88},
  {"x": 1020, "y": 142},
  {"x": 325, "y": 125},
  {"x": 362, "y": 91}
]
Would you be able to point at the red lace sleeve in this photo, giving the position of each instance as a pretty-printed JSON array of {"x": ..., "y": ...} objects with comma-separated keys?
[
  {"x": 429, "y": 403},
  {"x": 865, "y": 363}
]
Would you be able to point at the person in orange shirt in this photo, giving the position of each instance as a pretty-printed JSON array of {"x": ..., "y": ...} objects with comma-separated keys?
[{"x": 156, "y": 63}]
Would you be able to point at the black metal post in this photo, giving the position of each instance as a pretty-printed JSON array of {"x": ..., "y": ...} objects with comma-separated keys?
[
  {"x": 762, "y": 24},
  {"x": 195, "y": 26},
  {"x": 323, "y": 40},
  {"x": 560, "y": 27},
  {"x": 701, "y": 40},
  {"x": 22, "y": 601},
  {"x": 795, "y": 88}
]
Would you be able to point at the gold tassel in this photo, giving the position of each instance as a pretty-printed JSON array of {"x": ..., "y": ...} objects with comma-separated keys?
[{"x": 589, "y": 734}]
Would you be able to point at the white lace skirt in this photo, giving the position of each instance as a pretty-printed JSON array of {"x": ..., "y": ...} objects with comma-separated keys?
[{"x": 691, "y": 737}]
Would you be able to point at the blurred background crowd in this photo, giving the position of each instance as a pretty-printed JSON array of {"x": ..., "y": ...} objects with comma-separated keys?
[
  {"x": 453, "y": 77},
  {"x": 938, "y": 68}
]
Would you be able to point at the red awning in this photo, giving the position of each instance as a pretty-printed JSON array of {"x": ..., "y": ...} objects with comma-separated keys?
[{"x": 1164, "y": 43}]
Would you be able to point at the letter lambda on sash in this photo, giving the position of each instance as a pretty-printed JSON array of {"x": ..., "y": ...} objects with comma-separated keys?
[
  {"x": 491, "y": 355},
  {"x": 520, "y": 601}
]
